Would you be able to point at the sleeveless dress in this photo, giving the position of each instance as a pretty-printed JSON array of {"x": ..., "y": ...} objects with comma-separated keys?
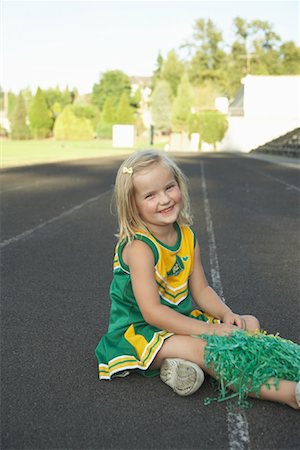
[{"x": 130, "y": 343}]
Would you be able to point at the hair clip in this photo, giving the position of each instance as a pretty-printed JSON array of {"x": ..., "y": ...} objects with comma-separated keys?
[{"x": 128, "y": 170}]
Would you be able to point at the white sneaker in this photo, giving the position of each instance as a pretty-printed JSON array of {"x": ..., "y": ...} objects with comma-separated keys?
[
  {"x": 184, "y": 377},
  {"x": 297, "y": 392}
]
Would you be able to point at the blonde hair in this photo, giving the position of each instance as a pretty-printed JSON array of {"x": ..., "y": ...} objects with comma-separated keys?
[{"x": 128, "y": 216}]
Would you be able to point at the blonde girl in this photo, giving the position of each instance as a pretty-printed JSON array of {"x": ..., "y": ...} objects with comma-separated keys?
[{"x": 158, "y": 275}]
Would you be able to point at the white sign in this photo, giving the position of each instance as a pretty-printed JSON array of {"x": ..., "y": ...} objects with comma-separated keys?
[{"x": 221, "y": 104}]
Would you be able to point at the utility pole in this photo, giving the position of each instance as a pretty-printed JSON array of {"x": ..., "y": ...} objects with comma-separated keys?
[{"x": 248, "y": 57}]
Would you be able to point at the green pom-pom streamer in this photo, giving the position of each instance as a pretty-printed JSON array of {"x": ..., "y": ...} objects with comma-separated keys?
[{"x": 247, "y": 361}]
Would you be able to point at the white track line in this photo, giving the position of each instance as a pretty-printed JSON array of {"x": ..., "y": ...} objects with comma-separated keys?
[
  {"x": 238, "y": 434},
  {"x": 31, "y": 231},
  {"x": 288, "y": 185}
]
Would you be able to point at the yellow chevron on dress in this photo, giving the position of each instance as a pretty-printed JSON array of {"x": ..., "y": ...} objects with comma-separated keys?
[
  {"x": 206, "y": 317},
  {"x": 170, "y": 295},
  {"x": 124, "y": 362},
  {"x": 171, "y": 299},
  {"x": 136, "y": 340},
  {"x": 163, "y": 282}
]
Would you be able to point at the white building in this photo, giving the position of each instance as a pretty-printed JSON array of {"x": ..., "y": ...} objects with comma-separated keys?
[
  {"x": 265, "y": 108},
  {"x": 143, "y": 83}
]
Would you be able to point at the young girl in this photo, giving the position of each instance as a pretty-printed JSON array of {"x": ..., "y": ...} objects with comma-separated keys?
[{"x": 153, "y": 326}]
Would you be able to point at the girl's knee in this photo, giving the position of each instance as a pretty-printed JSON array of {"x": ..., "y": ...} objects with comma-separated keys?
[{"x": 185, "y": 347}]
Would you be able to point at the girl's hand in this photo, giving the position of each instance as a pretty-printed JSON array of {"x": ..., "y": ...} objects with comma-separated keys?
[
  {"x": 234, "y": 319},
  {"x": 221, "y": 329}
]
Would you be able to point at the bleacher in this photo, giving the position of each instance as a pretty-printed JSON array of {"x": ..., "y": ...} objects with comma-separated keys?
[{"x": 286, "y": 145}]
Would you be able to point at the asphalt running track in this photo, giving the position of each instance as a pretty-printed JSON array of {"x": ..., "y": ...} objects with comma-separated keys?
[{"x": 57, "y": 246}]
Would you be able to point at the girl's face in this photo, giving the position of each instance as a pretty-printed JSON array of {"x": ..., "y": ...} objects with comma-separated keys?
[{"x": 157, "y": 196}]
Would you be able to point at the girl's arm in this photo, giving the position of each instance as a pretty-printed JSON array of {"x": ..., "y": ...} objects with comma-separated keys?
[
  {"x": 139, "y": 257},
  {"x": 207, "y": 299}
]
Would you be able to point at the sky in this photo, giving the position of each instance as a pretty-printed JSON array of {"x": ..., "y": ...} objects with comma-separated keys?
[{"x": 71, "y": 43}]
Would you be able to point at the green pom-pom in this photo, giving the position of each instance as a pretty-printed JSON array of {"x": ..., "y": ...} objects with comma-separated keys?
[{"x": 247, "y": 361}]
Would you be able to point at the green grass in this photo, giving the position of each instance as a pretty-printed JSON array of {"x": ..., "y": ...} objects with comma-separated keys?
[{"x": 19, "y": 153}]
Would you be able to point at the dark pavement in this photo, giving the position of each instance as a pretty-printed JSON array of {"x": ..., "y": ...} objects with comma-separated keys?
[{"x": 55, "y": 305}]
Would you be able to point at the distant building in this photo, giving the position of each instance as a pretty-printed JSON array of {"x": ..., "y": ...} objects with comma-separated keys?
[
  {"x": 143, "y": 83},
  {"x": 264, "y": 108}
]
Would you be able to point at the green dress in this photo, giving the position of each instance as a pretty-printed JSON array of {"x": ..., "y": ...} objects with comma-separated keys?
[{"x": 130, "y": 343}]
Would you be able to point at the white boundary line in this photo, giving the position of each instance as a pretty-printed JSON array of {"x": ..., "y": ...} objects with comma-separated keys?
[
  {"x": 238, "y": 433},
  {"x": 275, "y": 159},
  {"x": 289, "y": 185},
  {"x": 67, "y": 213}
]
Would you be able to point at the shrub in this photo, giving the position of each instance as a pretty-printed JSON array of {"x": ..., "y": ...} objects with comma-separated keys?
[
  {"x": 125, "y": 113},
  {"x": 213, "y": 126},
  {"x": 104, "y": 130},
  {"x": 90, "y": 112},
  {"x": 69, "y": 127},
  {"x": 108, "y": 114},
  {"x": 182, "y": 105},
  {"x": 19, "y": 127},
  {"x": 161, "y": 105},
  {"x": 40, "y": 116}
]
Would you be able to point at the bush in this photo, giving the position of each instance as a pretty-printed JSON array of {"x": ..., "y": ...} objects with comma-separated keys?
[
  {"x": 212, "y": 126},
  {"x": 104, "y": 130},
  {"x": 19, "y": 127},
  {"x": 125, "y": 113},
  {"x": 161, "y": 105},
  {"x": 182, "y": 105},
  {"x": 69, "y": 127},
  {"x": 40, "y": 116},
  {"x": 90, "y": 112}
]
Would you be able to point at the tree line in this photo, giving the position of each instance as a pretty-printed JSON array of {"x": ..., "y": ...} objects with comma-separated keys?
[{"x": 184, "y": 86}]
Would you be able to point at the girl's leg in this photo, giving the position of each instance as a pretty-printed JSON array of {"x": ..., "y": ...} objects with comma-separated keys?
[
  {"x": 284, "y": 394},
  {"x": 192, "y": 349}
]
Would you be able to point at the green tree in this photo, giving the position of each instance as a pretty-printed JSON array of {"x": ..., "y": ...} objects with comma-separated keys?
[
  {"x": 205, "y": 95},
  {"x": 57, "y": 100},
  {"x": 27, "y": 95},
  {"x": 19, "y": 127},
  {"x": 40, "y": 116},
  {"x": 212, "y": 126},
  {"x": 255, "y": 49},
  {"x": 11, "y": 104},
  {"x": 69, "y": 127},
  {"x": 112, "y": 84},
  {"x": 90, "y": 112},
  {"x": 56, "y": 110},
  {"x": 124, "y": 112},
  {"x": 67, "y": 96},
  {"x": 209, "y": 57},
  {"x": 182, "y": 104},
  {"x": 161, "y": 105},
  {"x": 157, "y": 72},
  {"x": 265, "y": 44},
  {"x": 290, "y": 58},
  {"x": 237, "y": 61},
  {"x": 194, "y": 123},
  {"x": 108, "y": 114},
  {"x": 108, "y": 118},
  {"x": 172, "y": 71},
  {"x": 136, "y": 98}
]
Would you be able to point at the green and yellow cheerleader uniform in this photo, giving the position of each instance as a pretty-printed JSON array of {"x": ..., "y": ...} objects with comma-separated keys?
[{"x": 130, "y": 343}]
